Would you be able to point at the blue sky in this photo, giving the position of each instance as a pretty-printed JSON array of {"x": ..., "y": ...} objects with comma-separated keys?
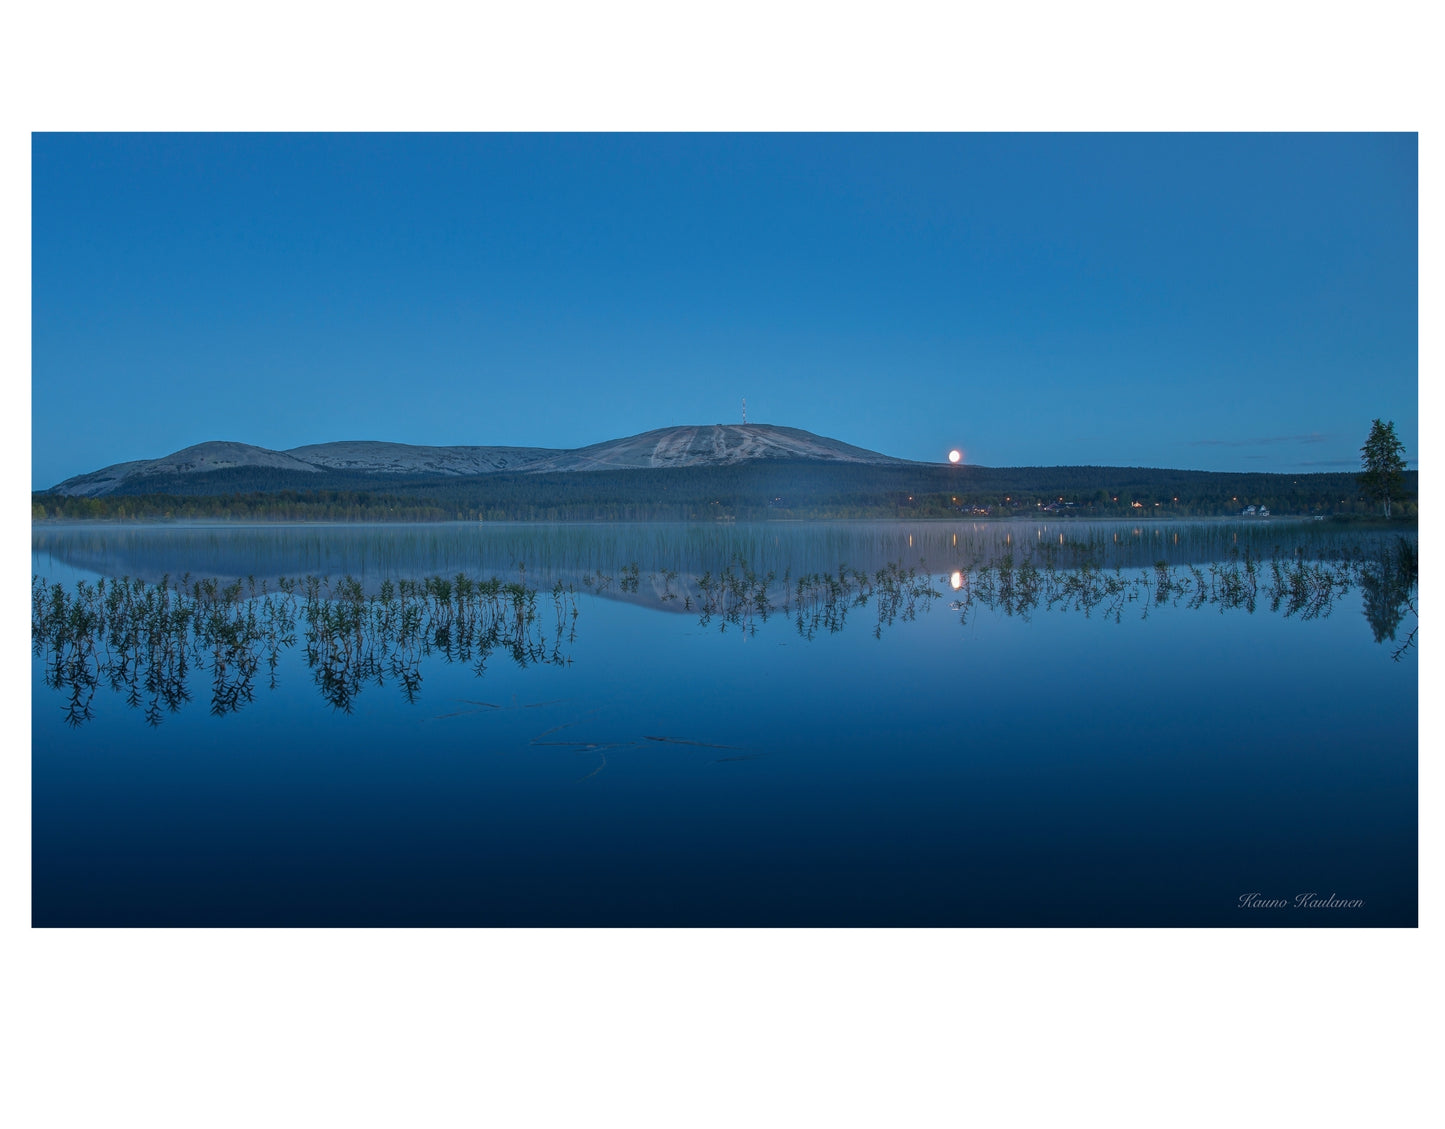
[{"x": 1230, "y": 302}]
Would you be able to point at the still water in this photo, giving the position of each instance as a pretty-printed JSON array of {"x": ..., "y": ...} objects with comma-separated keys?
[{"x": 935, "y": 724}]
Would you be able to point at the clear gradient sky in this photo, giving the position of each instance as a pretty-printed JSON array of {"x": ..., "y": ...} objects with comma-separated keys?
[{"x": 1219, "y": 302}]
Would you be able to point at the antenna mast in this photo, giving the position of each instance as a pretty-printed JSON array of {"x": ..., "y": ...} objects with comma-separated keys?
[{"x": 745, "y": 411}]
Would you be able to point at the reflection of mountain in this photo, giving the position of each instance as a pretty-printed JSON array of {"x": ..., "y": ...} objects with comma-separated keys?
[
  {"x": 350, "y": 637},
  {"x": 717, "y": 445},
  {"x": 544, "y": 554}
]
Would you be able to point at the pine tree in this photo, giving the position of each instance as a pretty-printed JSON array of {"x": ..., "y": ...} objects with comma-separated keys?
[{"x": 1383, "y": 464}]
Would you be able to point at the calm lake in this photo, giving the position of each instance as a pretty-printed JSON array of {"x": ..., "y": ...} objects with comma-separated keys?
[{"x": 853, "y": 724}]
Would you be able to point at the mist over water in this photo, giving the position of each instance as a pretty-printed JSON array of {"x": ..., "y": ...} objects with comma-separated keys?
[{"x": 371, "y": 553}]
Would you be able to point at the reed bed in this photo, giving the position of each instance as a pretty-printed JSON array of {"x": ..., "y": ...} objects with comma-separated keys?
[
  {"x": 151, "y": 641},
  {"x": 147, "y": 640}
]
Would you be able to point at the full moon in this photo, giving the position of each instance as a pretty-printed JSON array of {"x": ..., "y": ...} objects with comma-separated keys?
[{"x": 955, "y": 455}]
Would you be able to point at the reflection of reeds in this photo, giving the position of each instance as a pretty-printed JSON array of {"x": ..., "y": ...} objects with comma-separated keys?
[
  {"x": 1296, "y": 588},
  {"x": 143, "y": 639}
]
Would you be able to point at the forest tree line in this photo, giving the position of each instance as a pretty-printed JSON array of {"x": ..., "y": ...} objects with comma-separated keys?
[{"x": 745, "y": 491}]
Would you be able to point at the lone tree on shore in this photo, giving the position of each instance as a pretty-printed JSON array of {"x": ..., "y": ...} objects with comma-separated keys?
[{"x": 1383, "y": 467}]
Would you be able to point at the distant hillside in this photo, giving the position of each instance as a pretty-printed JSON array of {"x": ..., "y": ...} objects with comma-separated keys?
[
  {"x": 718, "y": 445},
  {"x": 370, "y": 457},
  {"x": 203, "y": 458},
  {"x": 728, "y": 471},
  {"x": 194, "y": 469}
]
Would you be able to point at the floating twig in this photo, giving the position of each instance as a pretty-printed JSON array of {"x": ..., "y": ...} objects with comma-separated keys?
[
  {"x": 595, "y": 771},
  {"x": 699, "y": 744}
]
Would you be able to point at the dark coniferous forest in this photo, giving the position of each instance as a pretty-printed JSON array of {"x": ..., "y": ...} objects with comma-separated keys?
[{"x": 758, "y": 490}]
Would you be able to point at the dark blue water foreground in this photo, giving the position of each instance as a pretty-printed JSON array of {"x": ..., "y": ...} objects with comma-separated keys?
[{"x": 665, "y": 735}]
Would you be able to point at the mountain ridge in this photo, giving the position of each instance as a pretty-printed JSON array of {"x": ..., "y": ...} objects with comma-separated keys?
[{"x": 677, "y": 446}]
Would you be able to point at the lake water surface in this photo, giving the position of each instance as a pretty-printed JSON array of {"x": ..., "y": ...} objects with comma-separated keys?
[{"x": 852, "y": 724}]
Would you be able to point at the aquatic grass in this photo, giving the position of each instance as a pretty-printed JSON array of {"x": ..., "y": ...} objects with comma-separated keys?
[{"x": 145, "y": 639}]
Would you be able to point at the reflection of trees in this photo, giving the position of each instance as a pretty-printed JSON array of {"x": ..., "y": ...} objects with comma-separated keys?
[
  {"x": 1388, "y": 585},
  {"x": 143, "y": 639}
]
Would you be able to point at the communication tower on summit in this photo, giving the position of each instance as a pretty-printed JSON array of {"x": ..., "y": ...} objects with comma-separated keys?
[{"x": 745, "y": 411}]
